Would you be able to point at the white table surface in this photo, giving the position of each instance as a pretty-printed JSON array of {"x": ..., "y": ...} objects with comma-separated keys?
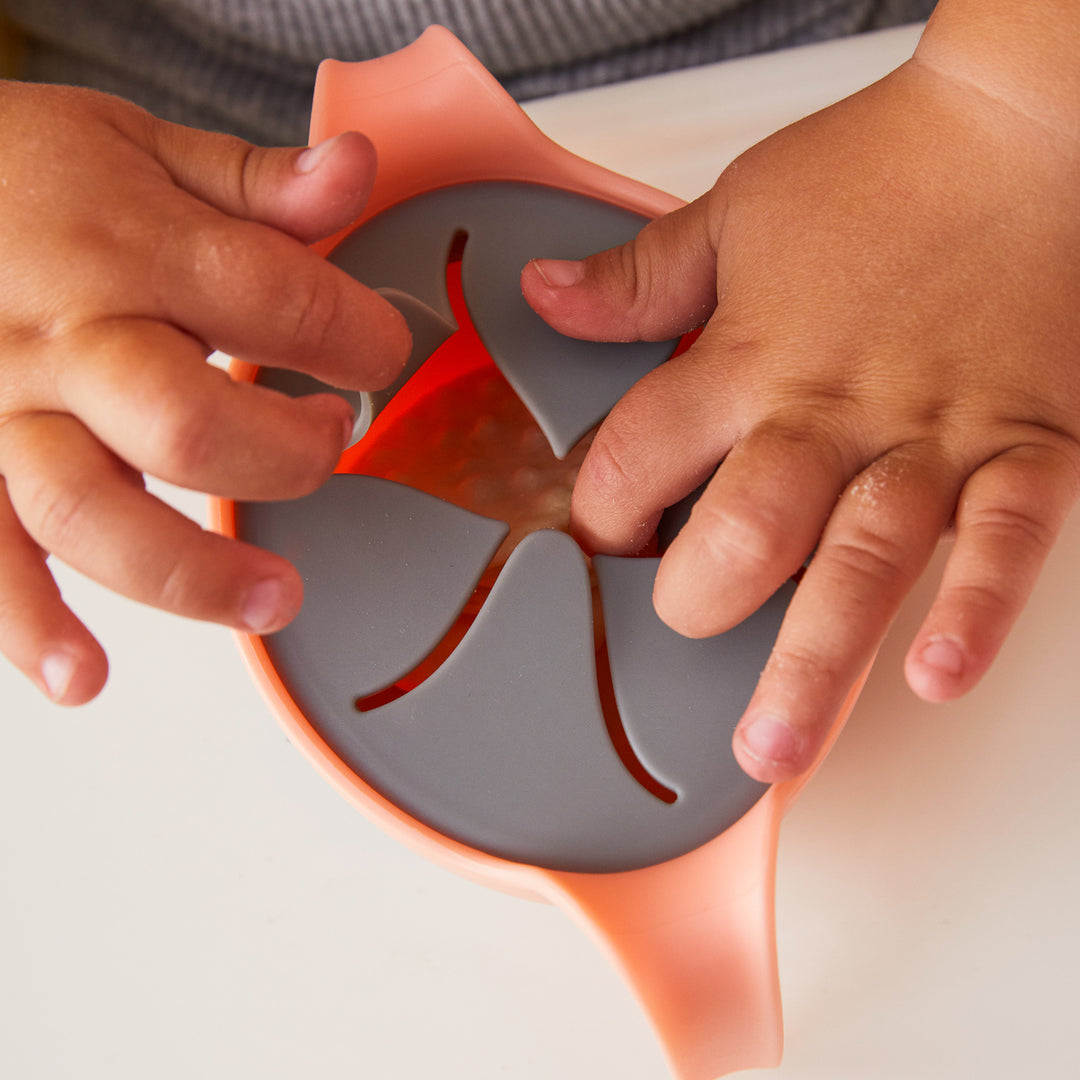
[{"x": 183, "y": 896}]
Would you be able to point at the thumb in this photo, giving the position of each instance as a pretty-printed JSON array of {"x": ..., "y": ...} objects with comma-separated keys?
[
  {"x": 657, "y": 286},
  {"x": 308, "y": 193}
]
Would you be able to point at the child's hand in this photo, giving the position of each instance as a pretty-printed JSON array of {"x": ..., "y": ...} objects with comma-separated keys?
[
  {"x": 131, "y": 249},
  {"x": 892, "y": 296}
]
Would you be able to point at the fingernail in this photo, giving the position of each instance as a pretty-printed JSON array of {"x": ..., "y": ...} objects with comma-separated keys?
[
  {"x": 944, "y": 655},
  {"x": 263, "y": 606},
  {"x": 770, "y": 740},
  {"x": 57, "y": 671},
  {"x": 311, "y": 158},
  {"x": 559, "y": 273}
]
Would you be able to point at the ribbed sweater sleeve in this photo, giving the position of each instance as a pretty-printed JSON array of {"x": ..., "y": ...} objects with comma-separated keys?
[{"x": 248, "y": 66}]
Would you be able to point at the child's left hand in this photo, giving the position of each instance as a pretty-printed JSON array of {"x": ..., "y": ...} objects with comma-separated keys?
[{"x": 891, "y": 296}]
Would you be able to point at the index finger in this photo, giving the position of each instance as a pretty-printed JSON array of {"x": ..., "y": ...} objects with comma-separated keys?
[{"x": 253, "y": 292}]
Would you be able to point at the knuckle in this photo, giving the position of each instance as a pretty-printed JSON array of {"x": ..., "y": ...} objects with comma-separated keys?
[
  {"x": 173, "y": 588},
  {"x": 811, "y": 426},
  {"x": 645, "y": 269},
  {"x": 613, "y": 504},
  {"x": 746, "y": 535},
  {"x": 246, "y": 169},
  {"x": 310, "y": 309},
  {"x": 190, "y": 575},
  {"x": 787, "y": 437},
  {"x": 1015, "y": 524},
  {"x": 193, "y": 247},
  {"x": 797, "y": 664},
  {"x": 634, "y": 272},
  {"x": 181, "y": 443},
  {"x": 54, "y": 513},
  {"x": 993, "y": 600},
  {"x": 867, "y": 555},
  {"x": 608, "y": 468},
  {"x": 13, "y": 617}
]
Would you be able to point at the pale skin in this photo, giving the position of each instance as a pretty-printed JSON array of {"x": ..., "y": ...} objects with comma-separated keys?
[
  {"x": 890, "y": 297},
  {"x": 888, "y": 290},
  {"x": 132, "y": 248}
]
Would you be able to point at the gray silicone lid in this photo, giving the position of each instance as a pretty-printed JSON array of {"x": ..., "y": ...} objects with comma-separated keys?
[
  {"x": 568, "y": 385},
  {"x": 386, "y": 572},
  {"x": 429, "y": 331},
  {"x": 508, "y": 745}
]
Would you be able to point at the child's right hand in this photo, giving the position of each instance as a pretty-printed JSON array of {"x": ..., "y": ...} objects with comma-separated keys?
[{"x": 132, "y": 248}]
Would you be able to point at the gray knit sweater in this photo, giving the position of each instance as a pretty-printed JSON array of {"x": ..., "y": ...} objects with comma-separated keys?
[{"x": 248, "y": 66}]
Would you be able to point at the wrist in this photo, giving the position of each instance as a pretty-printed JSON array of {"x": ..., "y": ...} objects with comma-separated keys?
[{"x": 1018, "y": 54}]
